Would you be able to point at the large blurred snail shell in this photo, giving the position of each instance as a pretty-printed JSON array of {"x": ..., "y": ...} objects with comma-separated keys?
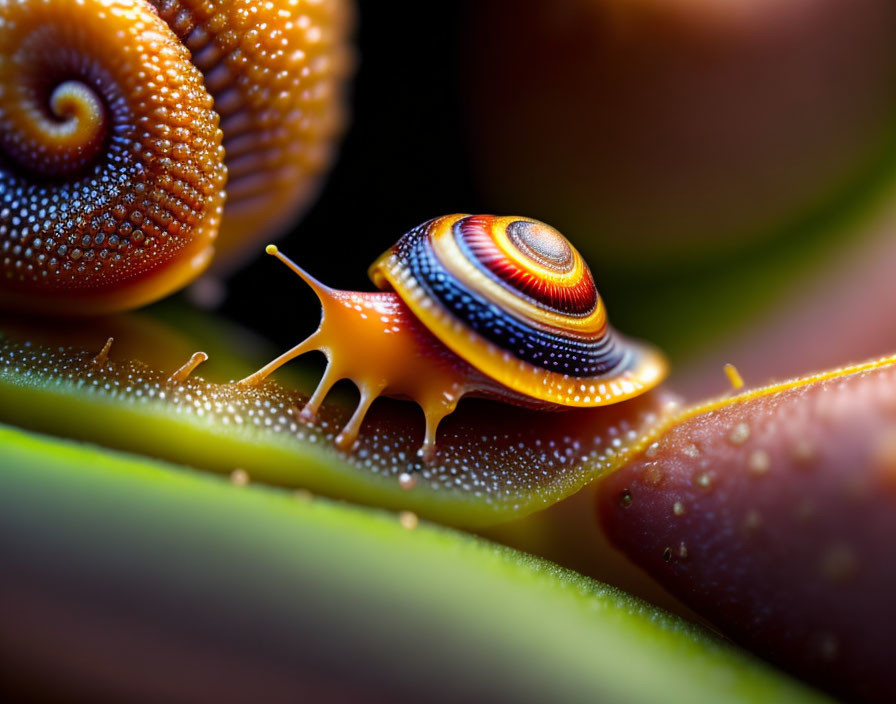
[{"x": 115, "y": 119}]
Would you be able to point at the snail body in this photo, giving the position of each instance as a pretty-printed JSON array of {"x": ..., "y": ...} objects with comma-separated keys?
[
  {"x": 122, "y": 123},
  {"x": 499, "y": 307}
]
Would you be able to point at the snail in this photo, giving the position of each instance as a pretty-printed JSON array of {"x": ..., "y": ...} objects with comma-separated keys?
[
  {"x": 122, "y": 123},
  {"x": 498, "y": 307}
]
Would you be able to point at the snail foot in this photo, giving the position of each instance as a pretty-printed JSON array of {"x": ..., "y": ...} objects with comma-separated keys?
[
  {"x": 374, "y": 340},
  {"x": 348, "y": 436}
]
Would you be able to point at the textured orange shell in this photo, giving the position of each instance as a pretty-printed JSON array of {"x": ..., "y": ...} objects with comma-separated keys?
[
  {"x": 276, "y": 72},
  {"x": 112, "y": 157}
]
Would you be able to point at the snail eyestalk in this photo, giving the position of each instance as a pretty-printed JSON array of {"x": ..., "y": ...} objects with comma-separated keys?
[
  {"x": 376, "y": 342},
  {"x": 500, "y": 307},
  {"x": 320, "y": 289},
  {"x": 309, "y": 344}
]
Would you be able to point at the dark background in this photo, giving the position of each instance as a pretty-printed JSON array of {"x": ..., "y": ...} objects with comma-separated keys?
[{"x": 403, "y": 160}]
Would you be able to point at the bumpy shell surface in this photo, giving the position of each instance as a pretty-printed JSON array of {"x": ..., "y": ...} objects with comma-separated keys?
[
  {"x": 112, "y": 158},
  {"x": 276, "y": 71}
]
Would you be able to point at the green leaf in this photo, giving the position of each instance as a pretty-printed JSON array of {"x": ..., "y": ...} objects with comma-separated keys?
[
  {"x": 493, "y": 462},
  {"x": 148, "y": 575}
]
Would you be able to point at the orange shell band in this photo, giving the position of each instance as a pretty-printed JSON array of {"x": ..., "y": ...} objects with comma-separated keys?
[
  {"x": 640, "y": 368},
  {"x": 454, "y": 259}
]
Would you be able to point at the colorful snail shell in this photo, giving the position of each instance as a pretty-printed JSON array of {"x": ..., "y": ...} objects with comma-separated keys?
[
  {"x": 121, "y": 122},
  {"x": 499, "y": 307}
]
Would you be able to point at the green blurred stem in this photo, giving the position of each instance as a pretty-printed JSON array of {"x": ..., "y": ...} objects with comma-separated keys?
[{"x": 124, "y": 576}]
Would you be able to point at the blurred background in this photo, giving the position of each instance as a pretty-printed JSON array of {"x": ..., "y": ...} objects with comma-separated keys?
[
  {"x": 726, "y": 167},
  {"x": 404, "y": 159}
]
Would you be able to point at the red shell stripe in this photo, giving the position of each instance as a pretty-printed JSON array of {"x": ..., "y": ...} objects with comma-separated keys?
[{"x": 577, "y": 299}]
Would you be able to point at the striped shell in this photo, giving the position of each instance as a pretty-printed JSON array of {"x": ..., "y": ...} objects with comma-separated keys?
[{"x": 512, "y": 297}]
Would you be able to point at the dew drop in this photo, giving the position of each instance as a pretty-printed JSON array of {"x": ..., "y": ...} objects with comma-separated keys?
[
  {"x": 408, "y": 520},
  {"x": 740, "y": 433},
  {"x": 303, "y": 496},
  {"x": 407, "y": 481},
  {"x": 691, "y": 451},
  {"x": 239, "y": 477},
  {"x": 803, "y": 451},
  {"x": 759, "y": 462},
  {"x": 653, "y": 475}
]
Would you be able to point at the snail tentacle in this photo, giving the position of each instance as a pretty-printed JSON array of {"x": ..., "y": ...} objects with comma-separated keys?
[
  {"x": 309, "y": 344},
  {"x": 456, "y": 287},
  {"x": 183, "y": 372},
  {"x": 373, "y": 340}
]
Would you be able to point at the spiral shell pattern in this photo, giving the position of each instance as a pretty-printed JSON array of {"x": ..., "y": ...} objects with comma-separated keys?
[
  {"x": 112, "y": 156},
  {"x": 512, "y": 297},
  {"x": 111, "y": 172}
]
